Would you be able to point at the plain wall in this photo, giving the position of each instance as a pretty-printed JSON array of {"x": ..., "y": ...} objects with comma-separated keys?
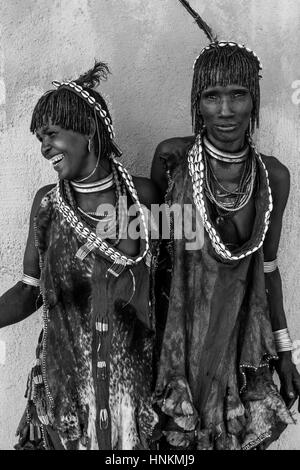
[{"x": 150, "y": 46}]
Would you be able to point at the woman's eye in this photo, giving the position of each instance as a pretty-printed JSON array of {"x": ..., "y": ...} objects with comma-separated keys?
[{"x": 239, "y": 94}]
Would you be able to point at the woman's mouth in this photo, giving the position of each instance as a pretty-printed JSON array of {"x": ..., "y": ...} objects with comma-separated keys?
[
  {"x": 55, "y": 161},
  {"x": 226, "y": 128}
]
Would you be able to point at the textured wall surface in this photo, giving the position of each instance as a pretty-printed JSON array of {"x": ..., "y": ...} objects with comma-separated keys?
[{"x": 150, "y": 47}]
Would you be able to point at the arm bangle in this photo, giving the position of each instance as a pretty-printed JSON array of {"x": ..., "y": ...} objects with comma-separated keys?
[
  {"x": 282, "y": 340},
  {"x": 270, "y": 266},
  {"x": 30, "y": 281}
]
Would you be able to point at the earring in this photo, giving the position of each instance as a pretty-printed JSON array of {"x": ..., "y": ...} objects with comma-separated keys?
[{"x": 89, "y": 145}]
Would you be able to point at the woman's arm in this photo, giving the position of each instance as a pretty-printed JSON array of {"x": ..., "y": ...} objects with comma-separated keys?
[
  {"x": 18, "y": 303},
  {"x": 280, "y": 186},
  {"x": 22, "y": 299}
]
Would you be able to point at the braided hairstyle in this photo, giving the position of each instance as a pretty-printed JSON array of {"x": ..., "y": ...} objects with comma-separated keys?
[
  {"x": 225, "y": 64},
  {"x": 69, "y": 111}
]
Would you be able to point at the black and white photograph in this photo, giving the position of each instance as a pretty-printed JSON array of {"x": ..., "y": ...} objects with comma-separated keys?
[{"x": 150, "y": 227}]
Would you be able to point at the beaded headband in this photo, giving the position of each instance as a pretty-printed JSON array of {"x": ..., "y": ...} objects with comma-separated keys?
[
  {"x": 84, "y": 94},
  {"x": 215, "y": 44}
]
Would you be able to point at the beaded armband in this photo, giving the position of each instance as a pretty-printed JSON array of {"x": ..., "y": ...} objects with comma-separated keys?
[
  {"x": 282, "y": 340},
  {"x": 270, "y": 266},
  {"x": 30, "y": 281}
]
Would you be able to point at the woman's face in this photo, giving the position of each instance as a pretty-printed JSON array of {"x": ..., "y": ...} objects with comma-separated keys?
[
  {"x": 226, "y": 113},
  {"x": 66, "y": 150}
]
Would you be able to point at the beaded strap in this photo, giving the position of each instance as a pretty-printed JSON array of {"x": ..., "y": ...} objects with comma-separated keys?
[
  {"x": 91, "y": 101},
  {"x": 196, "y": 171},
  {"x": 91, "y": 236}
]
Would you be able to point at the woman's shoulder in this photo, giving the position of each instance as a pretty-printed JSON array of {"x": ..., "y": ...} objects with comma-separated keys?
[
  {"x": 279, "y": 177},
  {"x": 174, "y": 148},
  {"x": 39, "y": 196},
  {"x": 169, "y": 155},
  {"x": 277, "y": 171}
]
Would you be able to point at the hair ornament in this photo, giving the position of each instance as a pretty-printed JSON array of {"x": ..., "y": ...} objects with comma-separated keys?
[
  {"x": 231, "y": 44},
  {"x": 214, "y": 42},
  {"x": 75, "y": 88},
  {"x": 200, "y": 22},
  {"x": 223, "y": 62}
]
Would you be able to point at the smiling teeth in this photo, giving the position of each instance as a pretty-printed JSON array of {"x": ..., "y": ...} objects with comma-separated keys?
[{"x": 56, "y": 159}]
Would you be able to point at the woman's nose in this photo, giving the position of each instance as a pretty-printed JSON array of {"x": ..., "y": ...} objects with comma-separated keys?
[
  {"x": 45, "y": 147},
  {"x": 225, "y": 107}
]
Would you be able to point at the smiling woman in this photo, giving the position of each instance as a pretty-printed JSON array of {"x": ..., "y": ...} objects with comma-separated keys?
[
  {"x": 90, "y": 385},
  {"x": 76, "y": 124},
  {"x": 66, "y": 150}
]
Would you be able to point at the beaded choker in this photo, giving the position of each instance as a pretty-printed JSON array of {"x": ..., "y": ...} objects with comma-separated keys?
[
  {"x": 95, "y": 187},
  {"x": 227, "y": 157}
]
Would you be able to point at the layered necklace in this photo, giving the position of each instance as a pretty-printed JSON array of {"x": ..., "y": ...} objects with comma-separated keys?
[
  {"x": 109, "y": 224},
  {"x": 228, "y": 202},
  {"x": 197, "y": 164}
]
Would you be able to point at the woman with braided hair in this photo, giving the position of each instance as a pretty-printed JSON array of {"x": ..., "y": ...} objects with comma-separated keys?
[
  {"x": 90, "y": 385},
  {"x": 225, "y": 328}
]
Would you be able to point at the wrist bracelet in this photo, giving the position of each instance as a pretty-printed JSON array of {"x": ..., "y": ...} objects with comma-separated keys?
[
  {"x": 282, "y": 340},
  {"x": 30, "y": 281}
]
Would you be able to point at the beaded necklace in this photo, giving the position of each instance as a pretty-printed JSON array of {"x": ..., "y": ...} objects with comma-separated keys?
[
  {"x": 226, "y": 201},
  {"x": 93, "y": 241},
  {"x": 196, "y": 168},
  {"x": 111, "y": 225}
]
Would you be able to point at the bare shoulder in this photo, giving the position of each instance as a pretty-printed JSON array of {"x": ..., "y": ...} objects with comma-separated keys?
[
  {"x": 39, "y": 196},
  {"x": 278, "y": 172},
  {"x": 174, "y": 145},
  {"x": 279, "y": 177},
  {"x": 168, "y": 154},
  {"x": 147, "y": 190}
]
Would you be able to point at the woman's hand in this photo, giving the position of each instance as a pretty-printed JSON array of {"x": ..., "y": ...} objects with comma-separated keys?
[{"x": 289, "y": 379}]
